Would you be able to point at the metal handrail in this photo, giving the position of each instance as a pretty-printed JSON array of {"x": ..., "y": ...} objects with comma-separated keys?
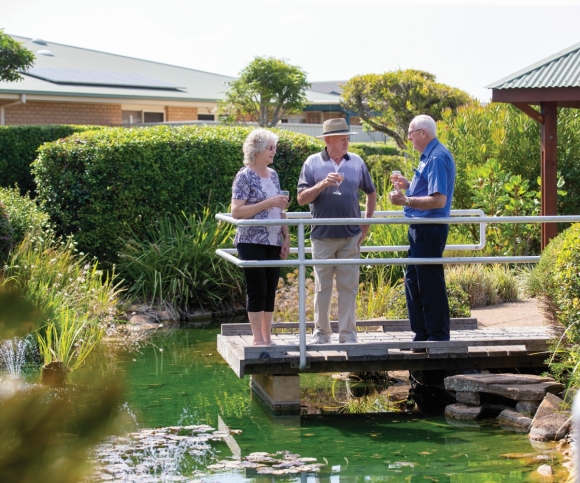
[{"x": 300, "y": 219}]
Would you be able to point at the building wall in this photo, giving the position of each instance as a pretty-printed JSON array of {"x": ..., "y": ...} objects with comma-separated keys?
[
  {"x": 173, "y": 114},
  {"x": 63, "y": 113}
]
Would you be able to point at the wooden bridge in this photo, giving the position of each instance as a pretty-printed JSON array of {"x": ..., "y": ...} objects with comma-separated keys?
[{"x": 381, "y": 347}]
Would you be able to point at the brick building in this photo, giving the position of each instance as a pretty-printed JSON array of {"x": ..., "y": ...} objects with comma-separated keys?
[{"x": 71, "y": 85}]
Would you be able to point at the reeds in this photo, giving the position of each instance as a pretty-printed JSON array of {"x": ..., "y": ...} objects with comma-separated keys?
[{"x": 175, "y": 263}]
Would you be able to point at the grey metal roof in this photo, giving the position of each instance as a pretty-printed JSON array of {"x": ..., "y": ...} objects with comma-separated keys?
[
  {"x": 559, "y": 70},
  {"x": 328, "y": 87},
  {"x": 64, "y": 70}
]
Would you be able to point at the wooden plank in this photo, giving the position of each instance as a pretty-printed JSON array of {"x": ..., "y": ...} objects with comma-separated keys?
[
  {"x": 229, "y": 354},
  {"x": 333, "y": 356},
  {"x": 489, "y": 351},
  {"x": 454, "y": 350},
  {"x": 385, "y": 324}
]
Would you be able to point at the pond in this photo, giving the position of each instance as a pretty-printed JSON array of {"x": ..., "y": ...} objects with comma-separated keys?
[{"x": 179, "y": 380}]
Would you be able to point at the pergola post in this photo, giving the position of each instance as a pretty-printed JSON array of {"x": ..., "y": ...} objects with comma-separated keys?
[{"x": 549, "y": 156}]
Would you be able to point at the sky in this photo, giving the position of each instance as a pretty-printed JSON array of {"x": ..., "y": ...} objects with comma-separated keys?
[{"x": 467, "y": 44}]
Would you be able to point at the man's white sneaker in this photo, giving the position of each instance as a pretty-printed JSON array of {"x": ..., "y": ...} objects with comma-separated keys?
[
  {"x": 320, "y": 338},
  {"x": 350, "y": 341}
]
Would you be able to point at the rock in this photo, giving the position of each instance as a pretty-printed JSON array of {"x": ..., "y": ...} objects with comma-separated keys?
[
  {"x": 462, "y": 412},
  {"x": 512, "y": 420},
  {"x": 142, "y": 322},
  {"x": 512, "y": 386},
  {"x": 553, "y": 427},
  {"x": 168, "y": 316},
  {"x": 549, "y": 405},
  {"x": 527, "y": 408},
  {"x": 475, "y": 382},
  {"x": 545, "y": 470},
  {"x": 199, "y": 315},
  {"x": 469, "y": 398}
]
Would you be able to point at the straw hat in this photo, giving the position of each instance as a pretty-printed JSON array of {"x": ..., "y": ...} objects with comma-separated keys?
[{"x": 335, "y": 127}]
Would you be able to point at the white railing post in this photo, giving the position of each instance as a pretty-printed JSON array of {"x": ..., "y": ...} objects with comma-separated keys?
[{"x": 302, "y": 296}]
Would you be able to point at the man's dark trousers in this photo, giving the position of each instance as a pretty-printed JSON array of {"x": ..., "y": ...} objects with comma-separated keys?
[{"x": 425, "y": 284}]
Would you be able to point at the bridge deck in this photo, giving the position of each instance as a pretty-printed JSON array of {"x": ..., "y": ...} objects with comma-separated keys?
[{"x": 380, "y": 348}]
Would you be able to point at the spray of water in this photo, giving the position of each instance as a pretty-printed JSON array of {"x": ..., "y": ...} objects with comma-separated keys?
[{"x": 13, "y": 353}]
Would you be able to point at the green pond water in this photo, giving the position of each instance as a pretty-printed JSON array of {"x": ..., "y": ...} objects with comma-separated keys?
[{"x": 179, "y": 379}]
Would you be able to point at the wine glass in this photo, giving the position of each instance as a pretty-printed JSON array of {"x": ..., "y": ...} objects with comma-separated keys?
[
  {"x": 287, "y": 195},
  {"x": 339, "y": 182},
  {"x": 398, "y": 173}
]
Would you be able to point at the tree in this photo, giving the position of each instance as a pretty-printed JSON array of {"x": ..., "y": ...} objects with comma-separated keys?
[
  {"x": 267, "y": 90},
  {"x": 14, "y": 57},
  {"x": 388, "y": 102}
]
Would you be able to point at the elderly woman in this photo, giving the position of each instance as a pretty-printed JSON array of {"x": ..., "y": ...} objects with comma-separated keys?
[{"x": 256, "y": 195}]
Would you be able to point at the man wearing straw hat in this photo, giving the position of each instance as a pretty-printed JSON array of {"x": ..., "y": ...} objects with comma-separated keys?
[{"x": 330, "y": 182}]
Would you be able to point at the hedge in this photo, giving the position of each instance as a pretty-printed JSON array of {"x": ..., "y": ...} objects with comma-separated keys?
[
  {"x": 18, "y": 147},
  {"x": 364, "y": 150},
  {"x": 559, "y": 277},
  {"x": 101, "y": 185}
]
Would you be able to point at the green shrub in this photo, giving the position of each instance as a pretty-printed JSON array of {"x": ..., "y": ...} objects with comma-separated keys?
[
  {"x": 175, "y": 263},
  {"x": 104, "y": 185},
  {"x": 559, "y": 267},
  {"x": 476, "y": 281},
  {"x": 364, "y": 150},
  {"x": 18, "y": 147},
  {"x": 6, "y": 234},
  {"x": 458, "y": 302},
  {"x": 25, "y": 215},
  {"x": 380, "y": 167}
]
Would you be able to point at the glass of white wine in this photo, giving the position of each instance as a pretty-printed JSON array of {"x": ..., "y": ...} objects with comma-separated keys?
[
  {"x": 339, "y": 182},
  {"x": 287, "y": 195}
]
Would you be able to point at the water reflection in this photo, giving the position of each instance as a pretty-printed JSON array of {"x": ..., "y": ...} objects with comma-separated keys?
[{"x": 180, "y": 380}]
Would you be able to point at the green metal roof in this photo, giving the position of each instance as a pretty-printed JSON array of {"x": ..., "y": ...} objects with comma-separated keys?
[
  {"x": 63, "y": 70},
  {"x": 559, "y": 70}
]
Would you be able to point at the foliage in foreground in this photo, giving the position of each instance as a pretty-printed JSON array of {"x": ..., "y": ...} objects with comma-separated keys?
[
  {"x": 46, "y": 435},
  {"x": 175, "y": 263}
]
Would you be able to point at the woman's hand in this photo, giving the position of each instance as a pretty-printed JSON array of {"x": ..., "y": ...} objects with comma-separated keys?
[
  {"x": 285, "y": 248},
  {"x": 278, "y": 201}
]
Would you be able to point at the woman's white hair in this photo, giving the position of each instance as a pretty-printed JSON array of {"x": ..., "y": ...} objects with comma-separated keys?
[
  {"x": 423, "y": 121},
  {"x": 256, "y": 142}
]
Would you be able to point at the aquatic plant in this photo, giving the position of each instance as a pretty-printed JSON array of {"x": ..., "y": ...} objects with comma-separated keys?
[{"x": 66, "y": 341}]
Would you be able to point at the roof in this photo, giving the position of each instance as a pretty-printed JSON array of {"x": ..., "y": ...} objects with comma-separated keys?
[
  {"x": 559, "y": 70},
  {"x": 64, "y": 70},
  {"x": 328, "y": 87}
]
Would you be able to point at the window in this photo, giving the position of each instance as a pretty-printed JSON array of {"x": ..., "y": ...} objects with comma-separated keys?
[
  {"x": 153, "y": 116},
  {"x": 139, "y": 117},
  {"x": 205, "y": 117}
]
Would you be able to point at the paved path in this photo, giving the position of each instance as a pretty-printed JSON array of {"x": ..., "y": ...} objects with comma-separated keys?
[{"x": 522, "y": 313}]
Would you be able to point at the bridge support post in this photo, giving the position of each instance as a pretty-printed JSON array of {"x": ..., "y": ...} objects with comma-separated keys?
[{"x": 281, "y": 394}]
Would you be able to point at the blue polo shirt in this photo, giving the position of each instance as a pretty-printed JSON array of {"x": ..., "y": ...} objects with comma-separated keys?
[{"x": 435, "y": 174}]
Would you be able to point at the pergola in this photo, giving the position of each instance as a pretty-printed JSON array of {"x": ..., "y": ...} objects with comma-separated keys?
[{"x": 550, "y": 83}]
